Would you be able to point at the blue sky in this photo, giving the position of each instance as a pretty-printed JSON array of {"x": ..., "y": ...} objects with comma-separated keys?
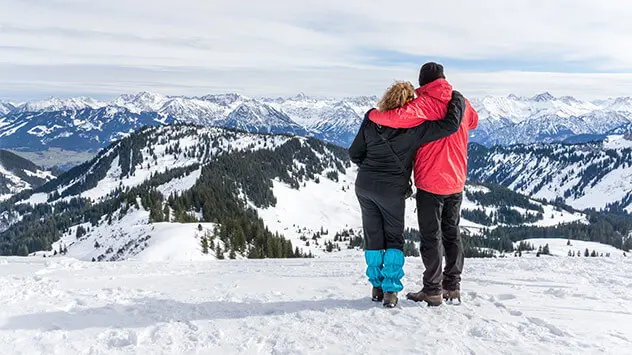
[{"x": 326, "y": 48}]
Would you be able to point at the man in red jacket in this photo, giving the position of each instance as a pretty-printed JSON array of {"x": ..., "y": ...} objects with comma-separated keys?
[{"x": 440, "y": 172}]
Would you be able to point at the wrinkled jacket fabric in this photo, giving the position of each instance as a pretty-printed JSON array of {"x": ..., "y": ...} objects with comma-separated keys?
[
  {"x": 371, "y": 148},
  {"x": 440, "y": 166}
]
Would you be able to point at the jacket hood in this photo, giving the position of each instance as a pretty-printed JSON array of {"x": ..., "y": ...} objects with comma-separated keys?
[{"x": 440, "y": 89}]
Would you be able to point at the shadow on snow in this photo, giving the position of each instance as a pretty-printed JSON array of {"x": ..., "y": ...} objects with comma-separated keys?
[{"x": 150, "y": 311}]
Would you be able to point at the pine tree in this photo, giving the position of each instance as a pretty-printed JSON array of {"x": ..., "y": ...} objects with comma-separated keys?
[
  {"x": 587, "y": 253},
  {"x": 23, "y": 250},
  {"x": 570, "y": 253},
  {"x": 593, "y": 254},
  {"x": 204, "y": 245},
  {"x": 232, "y": 254},
  {"x": 568, "y": 243},
  {"x": 97, "y": 245},
  {"x": 167, "y": 213},
  {"x": 219, "y": 254},
  {"x": 200, "y": 227},
  {"x": 546, "y": 250},
  {"x": 80, "y": 232},
  {"x": 239, "y": 239}
]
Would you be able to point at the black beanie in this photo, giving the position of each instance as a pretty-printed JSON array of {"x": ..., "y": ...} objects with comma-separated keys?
[{"x": 430, "y": 72}]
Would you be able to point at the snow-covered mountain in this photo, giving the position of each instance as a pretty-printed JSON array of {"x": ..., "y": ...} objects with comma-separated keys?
[
  {"x": 6, "y": 107},
  {"x": 180, "y": 181},
  {"x": 56, "y": 104},
  {"x": 18, "y": 174},
  {"x": 503, "y": 120},
  {"x": 545, "y": 118},
  {"x": 587, "y": 175},
  {"x": 84, "y": 129}
]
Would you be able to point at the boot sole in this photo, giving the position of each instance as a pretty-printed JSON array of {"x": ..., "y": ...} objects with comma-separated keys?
[{"x": 430, "y": 303}]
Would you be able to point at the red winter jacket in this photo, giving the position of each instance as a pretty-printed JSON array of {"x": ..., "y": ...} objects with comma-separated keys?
[{"x": 440, "y": 166}]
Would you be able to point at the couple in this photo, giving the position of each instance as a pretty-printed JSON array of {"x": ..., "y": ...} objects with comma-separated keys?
[{"x": 429, "y": 132}]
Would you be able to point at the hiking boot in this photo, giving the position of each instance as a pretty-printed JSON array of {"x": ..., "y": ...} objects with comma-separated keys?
[
  {"x": 450, "y": 296},
  {"x": 390, "y": 299},
  {"x": 421, "y": 296},
  {"x": 377, "y": 295}
]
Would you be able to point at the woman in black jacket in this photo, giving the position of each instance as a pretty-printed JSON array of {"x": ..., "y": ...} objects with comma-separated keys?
[{"x": 385, "y": 160}]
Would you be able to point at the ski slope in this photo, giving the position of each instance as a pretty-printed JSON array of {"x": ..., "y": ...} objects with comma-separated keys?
[{"x": 310, "y": 306}]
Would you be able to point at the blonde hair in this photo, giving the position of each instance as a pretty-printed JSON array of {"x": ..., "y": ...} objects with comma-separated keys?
[{"x": 399, "y": 94}]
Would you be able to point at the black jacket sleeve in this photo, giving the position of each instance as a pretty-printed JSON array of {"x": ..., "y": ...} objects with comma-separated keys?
[
  {"x": 430, "y": 131},
  {"x": 357, "y": 151}
]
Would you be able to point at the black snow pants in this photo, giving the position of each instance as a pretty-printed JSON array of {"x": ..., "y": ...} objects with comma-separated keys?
[
  {"x": 382, "y": 219},
  {"x": 439, "y": 217}
]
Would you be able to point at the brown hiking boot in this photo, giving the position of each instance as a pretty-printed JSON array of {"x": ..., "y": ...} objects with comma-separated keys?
[
  {"x": 450, "y": 296},
  {"x": 390, "y": 299},
  {"x": 431, "y": 300},
  {"x": 377, "y": 295}
]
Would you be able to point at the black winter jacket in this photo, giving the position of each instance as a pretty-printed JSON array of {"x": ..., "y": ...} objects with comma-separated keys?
[{"x": 379, "y": 171}]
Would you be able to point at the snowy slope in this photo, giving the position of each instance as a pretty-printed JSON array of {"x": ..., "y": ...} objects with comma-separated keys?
[
  {"x": 560, "y": 247},
  {"x": 132, "y": 237},
  {"x": 320, "y": 306},
  {"x": 333, "y": 206},
  {"x": 18, "y": 174},
  {"x": 589, "y": 175},
  {"x": 5, "y": 107}
]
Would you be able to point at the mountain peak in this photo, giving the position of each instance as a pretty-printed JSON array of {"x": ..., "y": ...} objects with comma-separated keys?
[
  {"x": 545, "y": 96},
  {"x": 60, "y": 104}
]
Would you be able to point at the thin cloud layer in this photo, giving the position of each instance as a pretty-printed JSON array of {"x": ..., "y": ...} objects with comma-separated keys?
[{"x": 326, "y": 47}]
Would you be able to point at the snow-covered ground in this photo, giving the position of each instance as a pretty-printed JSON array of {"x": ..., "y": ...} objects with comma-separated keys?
[
  {"x": 132, "y": 237},
  {"x": 560, "y": 247},
  {"x": 310, "y": 306},
  {"x": 332, "y": 206}
]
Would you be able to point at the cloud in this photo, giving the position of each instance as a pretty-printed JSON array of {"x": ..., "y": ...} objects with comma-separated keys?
[{"x": 322, "y": 47}]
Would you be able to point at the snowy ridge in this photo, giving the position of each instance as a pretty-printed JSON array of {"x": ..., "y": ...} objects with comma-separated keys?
[
  {"x": 18, "y": 174},
  {"x": 163, "y": 138},
  {"x": 503, "y": 120},
  {"x": 589, "y": 175},
  {"x": 545, "y": 118}
]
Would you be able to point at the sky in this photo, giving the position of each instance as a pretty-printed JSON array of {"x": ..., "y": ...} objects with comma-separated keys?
[{"x": 323, "y": 48}]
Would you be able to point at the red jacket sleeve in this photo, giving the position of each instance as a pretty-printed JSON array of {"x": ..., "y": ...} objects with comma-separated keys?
[{"x": 407, "y": 116}]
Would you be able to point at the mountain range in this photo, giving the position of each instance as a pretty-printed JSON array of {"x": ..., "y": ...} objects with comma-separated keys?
[
  {"x": 86, "y": 124},
  {"x": 194, "y": 190},
  {"x": 594, "y": 175}
]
